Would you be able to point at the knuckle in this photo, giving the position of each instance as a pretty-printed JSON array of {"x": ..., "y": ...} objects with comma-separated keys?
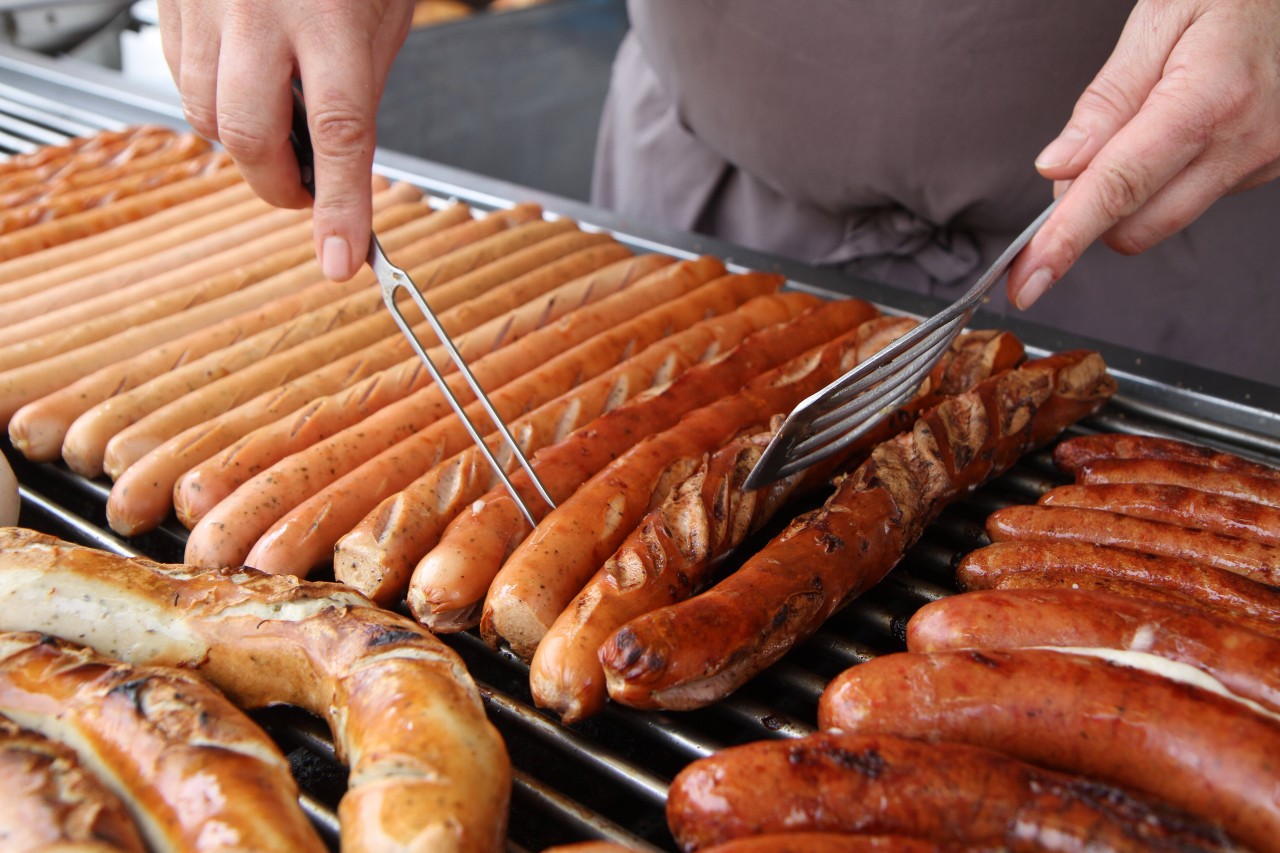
[
  {"x": 243, "y": 138},
  {"x": 1121, "y": 191},
  {"x": 340, "y": 131}
]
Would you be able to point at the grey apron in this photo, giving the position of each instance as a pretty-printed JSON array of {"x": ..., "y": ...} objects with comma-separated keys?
[{"x": 895, "y": 138}]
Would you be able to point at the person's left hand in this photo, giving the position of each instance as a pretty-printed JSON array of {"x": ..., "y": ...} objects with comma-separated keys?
[{"x": 1185, "y": 111}]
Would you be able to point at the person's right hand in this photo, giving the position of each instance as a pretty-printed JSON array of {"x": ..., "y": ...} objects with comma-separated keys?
[{"x": 234, "y": 60}]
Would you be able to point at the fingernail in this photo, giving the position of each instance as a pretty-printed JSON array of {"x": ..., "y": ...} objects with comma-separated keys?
[
  {"x": 1060, "y": 151},
  {"x": 1035, "y": 286},
  {"x": 335, "y": 259}
]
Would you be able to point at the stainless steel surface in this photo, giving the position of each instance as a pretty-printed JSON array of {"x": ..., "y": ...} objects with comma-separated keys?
[
  {"x": 847, "y": 409},
  {"x": 606, "y": 777}
]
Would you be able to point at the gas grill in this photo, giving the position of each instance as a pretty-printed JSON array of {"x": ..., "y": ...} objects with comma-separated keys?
[{"x": 607, "y": 777}]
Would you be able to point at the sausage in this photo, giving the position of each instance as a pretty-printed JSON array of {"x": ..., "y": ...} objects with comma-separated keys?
[
  {"x": 232, "y": 388},
  {"x": 1180, "y": 505},
  {"x": 1173, "y": 740},
  {"x": 426, "y": 767},
  {"x": 1254, "y": 560},
  {"x": 48, "y": 798},
  {"x": 539, "y": 330},
  {"x": 173, "y": 226},
  {"x": 107, "y": 217},
  {"x": 944, "y": 793},
  {"x": 829, "y": 842},
  {"x": 1242, "y": 660},
  {"x": 540, "y": 579},
  {"x": 144, "y": 491},
  {"x": 696, "y": 651},
  {"x": 454, "y": 576},
  {"x": 160, "y": 319},
  {"x": 85, "y": 442},
  {"x": 135, "y": 251},
  {"x": 48, "y": 161},
  {"x": 1067, "y": 563},
  {"x": 1247, "y": 487},
  {"x": 101, "y": 195},
  {"x": 1076, "y": 453},
  {"x": 184, "y": 759},
  {"x": 671, "y": 551},
  {"x": 378, "y": 554},
  {"x": 88, "y": 319},
  {"x": 307, "y": 535}
]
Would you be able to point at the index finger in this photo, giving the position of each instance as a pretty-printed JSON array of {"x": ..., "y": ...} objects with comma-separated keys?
[{"x": 1142, "y": 157}]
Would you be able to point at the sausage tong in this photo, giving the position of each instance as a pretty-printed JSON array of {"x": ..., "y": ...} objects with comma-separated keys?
[
  {"x": 848, "y": 408},
  {"x": 393, "y": 279}
]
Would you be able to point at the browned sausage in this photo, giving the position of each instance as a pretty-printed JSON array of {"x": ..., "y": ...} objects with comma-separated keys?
[
  {"x": 1243, "y": 660},
  {"x": 1181, "y": 505},
  {"x": 1075, "y": 453},
  {"x": 1172, "y": 740},
  {"x": 1254, "y": 560},
  {"x": 946, "y": 793},
  {"x": 1079, "y": 565},
  {"x": 1247, "y": 487},
  {"x": 696, "y": 651}
]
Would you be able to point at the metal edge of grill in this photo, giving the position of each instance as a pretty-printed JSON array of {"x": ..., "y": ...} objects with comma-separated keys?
[{"x": 606, "y": 778}]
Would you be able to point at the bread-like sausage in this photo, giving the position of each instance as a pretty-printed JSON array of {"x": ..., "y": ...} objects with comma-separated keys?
[
  {"x": 538, "y": 330},
  {"x": 1075, "y": 453},
  {"x": 195, "y": 772},
  {"x": 1180, "y": 505},
  {"x": 943, "y": 793},
  {"x": 1247, "y": 487},
  {"x": 377, "y": 556},
  {"x": 694, "y": 652},
  {"x": 1254, "y": 560},
  {"x": 427, "y": 769},
  {"x": 1080, "y": 563},
  {"x": 167, "y": 228},
  {"x": 41, "y": 428},
  {"x": 372, "y": 331},
  {"x": 1174, "y": 740},
  {"x": 47, "y": 799},
  {"x": 99, "y": 219},
  {"x": 1242, "y": 660},
  {"x": 670, "y": 553},
  {"x": 307, "y": 535},
  {"x": 455, "y": 575}
]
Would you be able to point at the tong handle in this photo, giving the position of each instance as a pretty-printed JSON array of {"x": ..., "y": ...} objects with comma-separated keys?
[{"x": 300, "y": 139}]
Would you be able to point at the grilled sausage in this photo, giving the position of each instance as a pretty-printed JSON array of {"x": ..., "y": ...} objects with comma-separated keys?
[
  {"x": 195, "y": 772},
  {"x": 1178, "y": 505},
  {"x": 452, "y": 580},
  {"x": 1175, "y": 740},
  {"x": 1247, "y": 487},
  {"x": 377, "y": 556},
  {"x": 1241, "y": 659},
  {"x": 427, "y": 770},
  {"x": 696, "y": 651},
  {"x": 537, "y": 331},
  {"x": 543, "y": 575},
  {"x": 48, "y": 798},
  {"x": 107, "y": 217},
  {"x": 668, "y": 555},
  {"x": 1076, "y": 453},
  {"x": 1223, "y": 591},
  {"x": 1255, "y": 560},
  {"x": 944, "y": 793}
]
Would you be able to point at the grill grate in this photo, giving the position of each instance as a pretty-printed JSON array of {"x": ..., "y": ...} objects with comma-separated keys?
[{"x": 605, "y": 778}]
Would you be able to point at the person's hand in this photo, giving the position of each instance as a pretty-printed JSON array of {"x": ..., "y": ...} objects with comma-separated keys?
[
  {"x": 233, "y": 61},
  {"x": 1185, "y": 111}
]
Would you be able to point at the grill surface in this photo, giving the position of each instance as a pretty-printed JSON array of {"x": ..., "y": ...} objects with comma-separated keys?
[{"x": 607, "y": 778}]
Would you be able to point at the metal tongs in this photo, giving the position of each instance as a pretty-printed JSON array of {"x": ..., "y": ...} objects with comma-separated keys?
[
  {"x": 848, "y": 408},
  {"x": 392, "y": 279}
]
